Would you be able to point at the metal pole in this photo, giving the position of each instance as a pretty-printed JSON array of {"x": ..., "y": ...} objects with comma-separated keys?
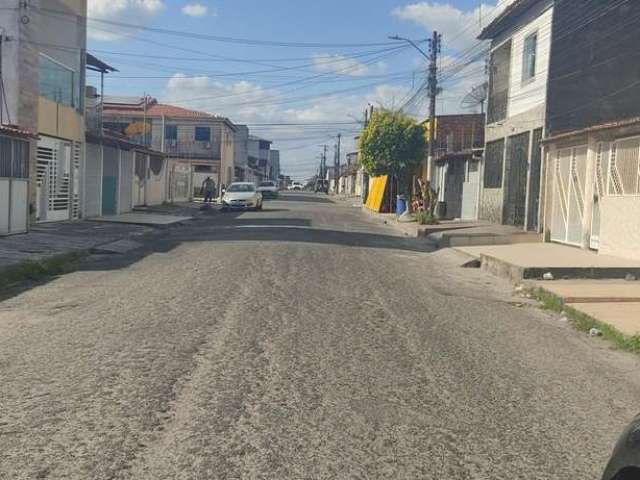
[{"x": 434, "y": 51}]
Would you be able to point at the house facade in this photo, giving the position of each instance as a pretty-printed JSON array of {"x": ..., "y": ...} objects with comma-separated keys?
[
  {"x": 458, "y": 143},
  {"x": 43, "y": 70},
  {"x": 511, "y": 188},
  {"x": 593, "y": 123},
  {"x": 197, "y": 145}
]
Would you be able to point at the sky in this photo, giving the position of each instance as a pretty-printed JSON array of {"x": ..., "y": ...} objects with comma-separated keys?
[{"x": 297, "y": 72}]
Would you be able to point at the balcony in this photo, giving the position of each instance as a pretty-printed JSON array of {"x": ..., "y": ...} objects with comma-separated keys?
[{"x": 192, "y": 149}]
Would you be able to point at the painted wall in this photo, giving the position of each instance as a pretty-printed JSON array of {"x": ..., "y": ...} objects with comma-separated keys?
[
  {"x": 524, "y": 95},
  {"x": 618, "y": 235}
]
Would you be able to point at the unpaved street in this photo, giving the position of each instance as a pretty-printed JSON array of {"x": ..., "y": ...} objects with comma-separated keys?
[{"x": 301, "y": 342}]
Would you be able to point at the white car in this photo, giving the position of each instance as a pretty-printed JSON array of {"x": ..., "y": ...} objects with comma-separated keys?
[
  {"x": 268, "y": 189},
  {"x": 296, "y": 186},
  {"x": 242, "y": 196}
]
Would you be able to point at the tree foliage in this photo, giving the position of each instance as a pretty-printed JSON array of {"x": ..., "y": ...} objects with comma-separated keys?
[{"x": 392, "y": 144}]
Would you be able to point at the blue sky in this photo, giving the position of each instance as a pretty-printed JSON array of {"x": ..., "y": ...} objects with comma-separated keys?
[{"x": 328, "y": 84}]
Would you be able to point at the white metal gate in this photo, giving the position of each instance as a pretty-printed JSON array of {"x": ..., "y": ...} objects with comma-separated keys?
[
  {"x": 470, "y": 191},
  {"x": 570, "y": 170},
  {"x": 92, "y": 199},
  {"x": 600, "y": 179},
  {"x": 54, "y": 180}
]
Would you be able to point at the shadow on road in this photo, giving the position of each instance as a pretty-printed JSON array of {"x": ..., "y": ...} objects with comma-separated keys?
[{"x": 303, "y": 197}]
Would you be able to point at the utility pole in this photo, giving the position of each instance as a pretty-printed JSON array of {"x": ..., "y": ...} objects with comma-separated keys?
[
  {"x": 324, "y": 163},
  {"x": 435, "y": 44},
  {"x": 434, "y": 52}
]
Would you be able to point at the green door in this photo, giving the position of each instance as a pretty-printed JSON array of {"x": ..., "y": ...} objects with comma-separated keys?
[{"x": 110, "y": 181}]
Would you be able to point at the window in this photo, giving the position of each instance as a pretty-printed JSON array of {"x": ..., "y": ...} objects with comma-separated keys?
[
  {"x": 493, "y": 161},
  {"x": 203, "y": 134},
  {"x": 529, "y": 57},
  {"x": 499, "y": 76},
  {"x": 171, "y": 132},
  {"x": 58, "y": 82},
  {"x": 14, "y": 158}
]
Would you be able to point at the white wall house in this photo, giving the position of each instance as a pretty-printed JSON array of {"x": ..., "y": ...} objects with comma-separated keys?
[{"x": 511, "y": 187}]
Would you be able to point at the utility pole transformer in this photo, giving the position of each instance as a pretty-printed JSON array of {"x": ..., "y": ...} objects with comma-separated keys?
[{"x": 435, "y": 45}]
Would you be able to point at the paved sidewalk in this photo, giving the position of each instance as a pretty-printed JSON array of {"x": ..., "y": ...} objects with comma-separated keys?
[
  {"x": 614, "y": 302},
  {"x": 46, "y": 240}
]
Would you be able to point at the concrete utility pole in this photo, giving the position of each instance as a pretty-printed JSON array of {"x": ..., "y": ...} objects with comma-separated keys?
[
  {"x": 434, "y": 52},
  {"x": 435, "y": 44}
]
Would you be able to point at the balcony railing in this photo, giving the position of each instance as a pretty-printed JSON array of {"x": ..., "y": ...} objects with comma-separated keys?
[{"x": 192, "y": 148}]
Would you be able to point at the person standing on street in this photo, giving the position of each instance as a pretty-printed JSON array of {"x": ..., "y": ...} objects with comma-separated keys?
[{"x": 209, "y": 188}]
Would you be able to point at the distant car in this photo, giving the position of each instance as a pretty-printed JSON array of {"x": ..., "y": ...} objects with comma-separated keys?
[
  {"x": 242, "y": 196},
  {"x": 268, "y": 189},
  {"x": 296, "y": 186},
  {"x": 624, "y": 463},
  {"x": 322, "y": 186}
]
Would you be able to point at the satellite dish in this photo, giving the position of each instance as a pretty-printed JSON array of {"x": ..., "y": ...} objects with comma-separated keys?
[{"x": 477, "y": 96}]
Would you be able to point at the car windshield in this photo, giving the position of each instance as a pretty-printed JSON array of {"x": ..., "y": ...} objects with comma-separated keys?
[
  {"x": 241, "y": 187},
  {"x": 267, "y": 184}
]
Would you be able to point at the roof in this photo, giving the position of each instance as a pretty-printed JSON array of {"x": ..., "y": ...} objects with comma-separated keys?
[
  {"x": 506, "y": 18},
  {"x": 93, "y": 63},
  {"x": 112, "y": 138},
  {"x": 135, "y": 107},
  {"x": 628, "y": 122},
  {"x": 15, "y": 131}
]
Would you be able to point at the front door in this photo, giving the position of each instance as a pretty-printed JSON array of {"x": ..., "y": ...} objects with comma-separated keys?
[
  {"x": 53, "y": 180},
  {"x": 110, "y": 181},
  {"x": 470, "y": 191},
  {"x": 515, "y": 199}
]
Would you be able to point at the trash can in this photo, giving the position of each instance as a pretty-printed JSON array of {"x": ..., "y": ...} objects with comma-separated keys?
[{"x": 401, "y": 205}]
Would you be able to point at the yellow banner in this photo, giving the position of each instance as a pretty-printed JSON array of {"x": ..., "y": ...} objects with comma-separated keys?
[{"x": 376, "y": 194}]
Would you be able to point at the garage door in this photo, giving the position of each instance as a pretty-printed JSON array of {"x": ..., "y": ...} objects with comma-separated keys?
[{"x": 570, "y": 169}]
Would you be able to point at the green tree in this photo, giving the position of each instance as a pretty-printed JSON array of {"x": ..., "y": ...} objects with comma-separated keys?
[{"x": 392, "y": 144}]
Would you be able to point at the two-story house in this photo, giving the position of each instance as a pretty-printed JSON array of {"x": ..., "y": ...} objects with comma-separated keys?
[
  {"x": 458, "y": 143},
  {"x": 511, "y": 184},
  {"x": 43, "y": 71},
  {"x": 199, "y": 141},
  {"x": 593, "y": 128}
]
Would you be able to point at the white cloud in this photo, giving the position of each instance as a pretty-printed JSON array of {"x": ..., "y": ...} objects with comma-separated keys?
[
  {"x": 118, "y": 10},
  {"x": 195, "y": 10},
  {"x": 341, "y": 65},
  {"x": 459, "y": 28}
]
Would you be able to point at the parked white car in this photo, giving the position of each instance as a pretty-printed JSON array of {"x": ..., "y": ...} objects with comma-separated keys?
[
  {"x": 242, "y": 196},
  {"x": 268, "y": 189},
  {"x": 296, "y": 186}
]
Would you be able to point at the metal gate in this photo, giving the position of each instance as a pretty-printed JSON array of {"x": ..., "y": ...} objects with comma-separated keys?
[
  {"x": 600, "y": 177},
  {"x": 53, "y": 185},
  {"x": 569, "y": 183},
  {"x": 110, "y": 167},
  {"x": 470, "y": 191},
  {"x": 92, "y": 197},
  {"x": 515, "y": 198},
  {"x": 533, "y": 210},
  {"x": 14, "y": 185}
]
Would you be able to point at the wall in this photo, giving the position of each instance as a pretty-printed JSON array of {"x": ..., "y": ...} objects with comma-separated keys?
[
  {"x": 58, "y": 120},
  {"x": 594, "y": 67},
  {"x": 618, "y": 235},
  {"x": 527, "y": 95}
]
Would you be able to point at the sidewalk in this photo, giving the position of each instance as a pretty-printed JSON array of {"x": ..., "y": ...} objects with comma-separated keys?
[
  {"x": 613, "y": 302},
  {"x": 46, "y": 240}
]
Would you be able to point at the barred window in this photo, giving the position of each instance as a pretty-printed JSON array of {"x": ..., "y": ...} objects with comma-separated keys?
[
  {"x": 493, "y": 162},
  {"x": 14, "y": 158},
  {"x": 624, "y": 167}
]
